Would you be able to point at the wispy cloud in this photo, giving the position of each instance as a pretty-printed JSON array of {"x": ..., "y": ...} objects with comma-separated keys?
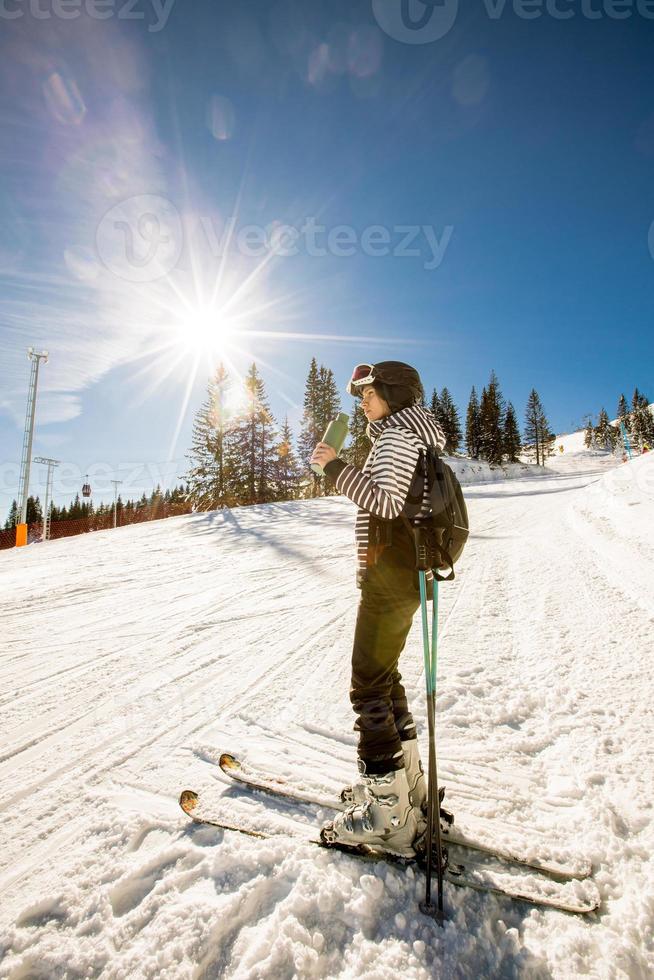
[{"x": 82, "y": 139}]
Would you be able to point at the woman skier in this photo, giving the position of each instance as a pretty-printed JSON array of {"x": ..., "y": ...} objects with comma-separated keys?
[{"x": 386, "y": 805}]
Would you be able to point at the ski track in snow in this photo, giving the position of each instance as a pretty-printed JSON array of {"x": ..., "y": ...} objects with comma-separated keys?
[{"x": 131, "y": 659}]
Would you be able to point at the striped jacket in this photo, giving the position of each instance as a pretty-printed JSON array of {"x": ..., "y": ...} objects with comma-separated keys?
[{"x": 382, "y": 486}]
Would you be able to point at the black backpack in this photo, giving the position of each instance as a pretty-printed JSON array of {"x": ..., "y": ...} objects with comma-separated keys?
[{"x": 441, "y": 536}]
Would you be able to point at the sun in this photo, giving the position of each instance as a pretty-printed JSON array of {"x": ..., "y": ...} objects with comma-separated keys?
[{"x": 204, "y": 331}]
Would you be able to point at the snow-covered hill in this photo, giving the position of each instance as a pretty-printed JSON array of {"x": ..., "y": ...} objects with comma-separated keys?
[{"x": 130, "y": 659}]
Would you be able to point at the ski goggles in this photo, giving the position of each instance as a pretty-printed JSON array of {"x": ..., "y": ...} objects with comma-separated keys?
[{"x": 363, "y": 374}]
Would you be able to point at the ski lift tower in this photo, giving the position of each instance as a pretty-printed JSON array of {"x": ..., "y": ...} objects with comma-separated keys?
[
  {"x": 50, "y": 463},
  {"x": 23, "y": 488},
  {"x": 116, "y": 484}
]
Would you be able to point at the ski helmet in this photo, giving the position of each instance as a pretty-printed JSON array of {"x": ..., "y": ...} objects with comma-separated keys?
[{"x": 397, "y": 383}]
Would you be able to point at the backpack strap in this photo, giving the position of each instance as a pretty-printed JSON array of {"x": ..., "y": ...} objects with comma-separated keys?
[
  {"x": 415, "y": 496},
  {"x": 424, "y": 535}
]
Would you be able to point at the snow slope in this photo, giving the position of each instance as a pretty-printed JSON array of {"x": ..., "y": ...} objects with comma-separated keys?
[{"x": 130, "y": 659}]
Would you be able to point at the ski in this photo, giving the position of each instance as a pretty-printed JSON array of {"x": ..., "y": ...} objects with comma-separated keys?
[
  {"x": 254, "y": 780},
  {"x": 579, "y": 898}
]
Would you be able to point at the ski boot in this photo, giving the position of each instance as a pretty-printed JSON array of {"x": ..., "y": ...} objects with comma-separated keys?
[
  {"x": 418, "y": 788},
  {"x": 356, "y": 793},
  {"x": 415, "y": 775},
  {"x": 384, "y": 821}
]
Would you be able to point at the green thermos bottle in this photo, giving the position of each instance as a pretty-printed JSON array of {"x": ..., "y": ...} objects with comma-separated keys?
[{"x": 335, "y": 437}]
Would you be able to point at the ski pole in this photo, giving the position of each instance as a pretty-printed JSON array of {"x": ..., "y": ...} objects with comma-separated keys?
[{"x": 433, "y": 800}]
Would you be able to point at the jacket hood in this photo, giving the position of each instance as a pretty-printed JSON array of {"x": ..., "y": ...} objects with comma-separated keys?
[{"x": 421, "y": 421}]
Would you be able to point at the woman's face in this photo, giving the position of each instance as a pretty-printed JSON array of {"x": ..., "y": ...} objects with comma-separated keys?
[{"x": 374, "y": 407}]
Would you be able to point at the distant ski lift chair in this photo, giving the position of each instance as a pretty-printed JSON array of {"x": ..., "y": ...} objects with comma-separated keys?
[{"x": 86, "y": 489}]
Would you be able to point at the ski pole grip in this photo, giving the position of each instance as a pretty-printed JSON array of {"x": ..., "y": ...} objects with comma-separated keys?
[{"x": 423, "y": 551}]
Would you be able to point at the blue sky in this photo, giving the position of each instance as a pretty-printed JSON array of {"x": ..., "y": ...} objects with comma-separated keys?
[{"x": 510, "y": 157}]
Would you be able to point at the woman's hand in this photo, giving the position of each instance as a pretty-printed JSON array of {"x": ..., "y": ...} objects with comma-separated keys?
[{"x": 323, "y": 454}]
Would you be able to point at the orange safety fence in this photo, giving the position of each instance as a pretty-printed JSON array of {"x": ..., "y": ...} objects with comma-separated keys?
[{"x": 95, "y": 522}]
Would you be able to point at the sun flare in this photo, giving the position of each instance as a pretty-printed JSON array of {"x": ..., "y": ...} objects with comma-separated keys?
[{"x": 204, "y": 331}]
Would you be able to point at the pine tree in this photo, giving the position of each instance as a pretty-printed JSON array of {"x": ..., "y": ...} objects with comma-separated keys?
[
  {"x": 533, "y": 423},
  {"x": 267, "y": 450},
  {"x": 623, "y": 411},
  {"x": 179, "y": 498},
  {"x": 310, "y": 432},
  {"x": 34, "y": 515},
  {"x": 589, "y": 434},
  {"x": 329, "y": 400},
  {"x": 498, "y": 405},
  {"x": 473, "y": 443},
  {"x": 59, "y": 514},
  {"x": 604, "y": 432},
  {"x": 449, "y": 420},
  {"x": 648, "y": 425},
  {"x": 287, "y": 473},
  {"x": 636, "y": 400},
  {"x": 491, "y": 422},
  {"x": 635, "y": 421},
  {"x": 250, "y": 455},
  {"x": 538, "y": 437},
  {"x": 511, "y": 435},
  {"x": 156, "y": 504},
  {"x": 435, "y": 405},
  {"x": 484, "y": 424},
  {"x": 358, "y": 448},
  {"x": 76, "y": 509},
  {"x": 12, "y": 517},
  {"x": 208, "y": 475},
  {"x": 642, "y": 422},
  {"x": 321, "y": 405},
  {"x": 649, "y": 429}
]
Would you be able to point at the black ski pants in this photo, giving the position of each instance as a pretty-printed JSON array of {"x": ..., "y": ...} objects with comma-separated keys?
[{"x": 390, "y": 597}]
